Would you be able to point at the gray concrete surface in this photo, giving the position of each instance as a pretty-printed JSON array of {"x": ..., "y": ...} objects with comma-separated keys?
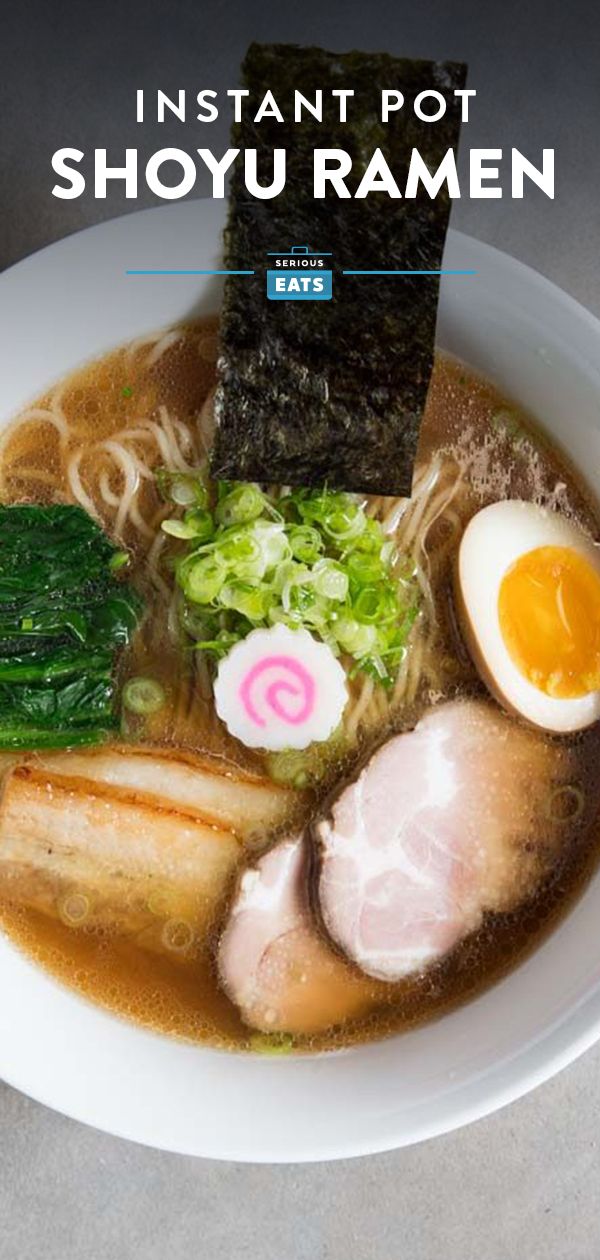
[{"x": 523, "y": 1183}]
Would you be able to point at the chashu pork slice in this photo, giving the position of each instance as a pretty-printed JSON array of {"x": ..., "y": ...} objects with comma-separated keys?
[
  {"x": 229, "y": 796},
  {"x": 90, "y": 852},
  {"x": 442, "y": 823},
  {"x": 272, "y": 962}
]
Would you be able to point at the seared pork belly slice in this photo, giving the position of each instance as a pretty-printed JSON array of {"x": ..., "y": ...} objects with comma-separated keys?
[
  {"x": 231, "y": 797},
  {"x": 272, "y": 962},
  {"x": 443, "y": 823},
  {"x": 90, "y": 853}
]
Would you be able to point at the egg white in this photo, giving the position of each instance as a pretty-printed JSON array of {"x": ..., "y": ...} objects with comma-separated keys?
[{"x": 493, "y": 540}]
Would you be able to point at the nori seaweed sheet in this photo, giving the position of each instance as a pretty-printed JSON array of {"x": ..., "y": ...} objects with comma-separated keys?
[{"x": 332, "y": 392}]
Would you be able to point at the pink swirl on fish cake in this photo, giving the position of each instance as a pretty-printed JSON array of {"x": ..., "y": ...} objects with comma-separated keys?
[{"x": 303, "y": 686}]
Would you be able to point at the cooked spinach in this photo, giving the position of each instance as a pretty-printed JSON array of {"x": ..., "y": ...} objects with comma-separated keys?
[{"x": 63, "y": 618}]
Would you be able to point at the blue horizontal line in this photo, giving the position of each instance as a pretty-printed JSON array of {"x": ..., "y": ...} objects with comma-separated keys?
[
  {"x": 282, "y": 253},
  {"x": 209, "y": 271},
  {"x": 409, "y": 272},
  {"x": 171, "y": 271}
]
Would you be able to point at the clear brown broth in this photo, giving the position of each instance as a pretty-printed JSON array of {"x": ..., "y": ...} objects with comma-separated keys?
[{"x": 505, "y": 457}]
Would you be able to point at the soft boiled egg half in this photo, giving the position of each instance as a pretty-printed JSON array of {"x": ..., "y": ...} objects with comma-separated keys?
[{"x": 528, "y": 596}]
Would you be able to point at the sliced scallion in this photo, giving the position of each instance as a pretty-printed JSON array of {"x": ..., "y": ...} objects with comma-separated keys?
[
  {"x": 143, "y": 696},
  {"x": 240, "y": 505},
  {"x": 183, "y": 489},
  {"x": 308, "y": 558}
]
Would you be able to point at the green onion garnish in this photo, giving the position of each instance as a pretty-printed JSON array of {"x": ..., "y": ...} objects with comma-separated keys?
[
  {"x": 118, "y": 561},
  {"x": 240, "y": 505},
  {"x": 143, "y": 696},
  {"x": 271, "y": 1043},
  {"x": 310, "y": 559},
  {"x": 182, "y": 489}
]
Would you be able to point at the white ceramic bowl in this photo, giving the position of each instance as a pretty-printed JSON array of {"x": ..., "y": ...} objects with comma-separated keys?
[{"x": 71, "y": 302}]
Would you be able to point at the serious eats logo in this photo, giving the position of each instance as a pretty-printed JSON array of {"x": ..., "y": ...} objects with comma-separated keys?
[{"x": 300, "y": 274}]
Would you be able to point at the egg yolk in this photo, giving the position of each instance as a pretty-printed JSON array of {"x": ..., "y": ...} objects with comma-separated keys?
[{"x": 549, "y": 610}]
